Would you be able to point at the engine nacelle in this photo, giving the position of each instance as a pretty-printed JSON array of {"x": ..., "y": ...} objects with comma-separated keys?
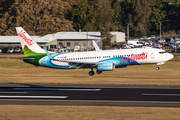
[{"x": 106, "y": 67}]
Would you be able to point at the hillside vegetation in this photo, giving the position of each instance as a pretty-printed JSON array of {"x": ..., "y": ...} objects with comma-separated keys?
[{"x": 39, "y": 17}]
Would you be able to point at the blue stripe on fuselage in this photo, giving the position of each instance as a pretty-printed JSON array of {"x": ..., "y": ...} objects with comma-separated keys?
[
  {"x": 118, "y": 61},
  {"x": 48, "y": 63},
  {"x": 121, "y": 61}
]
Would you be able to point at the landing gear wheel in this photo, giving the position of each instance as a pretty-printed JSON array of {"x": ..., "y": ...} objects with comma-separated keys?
[
  {"x": 98, "y": 72},
  {"x": 157, "y": 68},
  {"x": 91, "y": 73}
]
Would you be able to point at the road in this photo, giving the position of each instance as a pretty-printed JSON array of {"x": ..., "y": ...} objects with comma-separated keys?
[{"x": 90, "y": 95}]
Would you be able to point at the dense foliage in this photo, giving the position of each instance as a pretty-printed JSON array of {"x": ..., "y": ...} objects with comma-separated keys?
[{"x": 49, "y": 16}]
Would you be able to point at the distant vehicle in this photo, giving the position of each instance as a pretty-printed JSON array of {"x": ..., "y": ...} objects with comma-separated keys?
[
  {"x": 174, "y": 45},
  {"x": 18, "y": 50},
  {"x": 148, "y": 38},
  {"x": 131, "y": 45},
  {"x": 167, "y": 46},
  {"x": 77, "y": 48},
  {"x": 154, "y": 43},
  {"x": 107, "y": 48},
  {"x": 146, "y": 43},
  {"x": 152, "y": 36},
  {"x": 135, "y": 43},
  {"x": 162, "y": 40},
  {"x": 143, "y": 38},
  {"x": 178, "y": 41},
  {"x": 11, "y": 50},
  {"x": 156, "y": 46},
  {"x": 125, "y": 46}
]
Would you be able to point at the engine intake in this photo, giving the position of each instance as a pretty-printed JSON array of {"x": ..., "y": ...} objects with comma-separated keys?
[{"x": 106, "y": 67}]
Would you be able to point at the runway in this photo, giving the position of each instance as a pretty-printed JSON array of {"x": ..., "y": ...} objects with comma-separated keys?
[{"x": 90, "y": 95}]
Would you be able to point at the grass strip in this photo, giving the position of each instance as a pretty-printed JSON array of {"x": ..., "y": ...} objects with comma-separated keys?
[
  {"x": 31, "y": 112},
  {"x": 16, "y": 71}
]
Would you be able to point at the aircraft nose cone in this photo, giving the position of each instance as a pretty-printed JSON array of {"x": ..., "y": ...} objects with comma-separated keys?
[{"x": 170, "y": 56}]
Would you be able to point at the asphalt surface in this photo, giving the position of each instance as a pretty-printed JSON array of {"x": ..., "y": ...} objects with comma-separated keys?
[{"x": 90, "y": 95}]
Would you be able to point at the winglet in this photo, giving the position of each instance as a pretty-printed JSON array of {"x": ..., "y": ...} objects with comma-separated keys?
[
  {"x": 49, "y": 56},
  {"x": 95, "y": 46}
]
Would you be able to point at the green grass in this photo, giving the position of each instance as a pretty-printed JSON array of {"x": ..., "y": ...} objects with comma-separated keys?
[
  {"x": 11, "y": 55},
  {"x": 30, "y": 112},
  {"x": 176, "y": 57},
  {"x": 16, "y": 71}
]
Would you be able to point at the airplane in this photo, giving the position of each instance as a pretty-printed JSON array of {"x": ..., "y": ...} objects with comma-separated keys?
[
  {"x": 101, "y": 60},
  {"x": 95, "y": 46}
]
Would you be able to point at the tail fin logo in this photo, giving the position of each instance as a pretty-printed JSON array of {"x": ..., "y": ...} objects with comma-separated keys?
[{"x": 28, "y": 40}]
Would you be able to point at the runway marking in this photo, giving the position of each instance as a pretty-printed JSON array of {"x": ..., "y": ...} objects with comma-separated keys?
[
  {"x": 56, "y": 89},
  {"x": 95, "y": 101},
  {"x": 149, "y": 94},
  {"x": 166, "y": 88},
  {"x": 15, "y": 92},
  {"x": 6, "y": 96}
]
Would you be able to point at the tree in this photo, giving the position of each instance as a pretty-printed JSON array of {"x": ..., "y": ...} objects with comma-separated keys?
[
  {"x": 116, "y": 6},
  {"x": 106, "y": 35},
  {"x": 103, "y": 7},
  {"x": 139, "y": 15},
  {"x": 84, "y": 15},
  {"x": 157, "y": 14},
  {"x": 36, "y": 16}
]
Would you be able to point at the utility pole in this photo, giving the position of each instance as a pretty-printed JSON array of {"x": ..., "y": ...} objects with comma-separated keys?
[
  {"x": 160, "y": 22},
  {"x": 117, "y": 25},
  {"x": 128, "y": 29},
  {"x": 87, "y": 35}
]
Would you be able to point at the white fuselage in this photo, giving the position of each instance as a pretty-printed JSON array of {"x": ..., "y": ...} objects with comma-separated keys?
[{"x": 118, "y": 57}]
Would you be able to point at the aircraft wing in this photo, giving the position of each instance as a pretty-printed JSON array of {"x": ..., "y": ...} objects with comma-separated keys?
[
  {"x": 74, "y": 63},
  {"x": 82, "y": 64}
]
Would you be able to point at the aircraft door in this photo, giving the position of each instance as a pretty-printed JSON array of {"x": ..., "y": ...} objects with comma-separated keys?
[{"x": 152, "y": 54}]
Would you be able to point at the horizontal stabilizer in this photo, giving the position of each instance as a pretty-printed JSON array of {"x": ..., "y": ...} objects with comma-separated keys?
[
  {"x": 49, "y": 56},
  {"x": 28, "y": 58}
]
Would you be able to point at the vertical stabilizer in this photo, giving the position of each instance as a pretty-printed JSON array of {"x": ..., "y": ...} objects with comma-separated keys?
[
  {"x": 95, "y": 46},
  {"x": 27, "y": 41}
]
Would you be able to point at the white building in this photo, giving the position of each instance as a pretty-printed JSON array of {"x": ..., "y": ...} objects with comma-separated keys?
[{"x": 69, "y": 39}]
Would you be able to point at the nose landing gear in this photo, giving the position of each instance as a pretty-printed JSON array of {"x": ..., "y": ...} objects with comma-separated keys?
[{"x": 157, "y": 68}]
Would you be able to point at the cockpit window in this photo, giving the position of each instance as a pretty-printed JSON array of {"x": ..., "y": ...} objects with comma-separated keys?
[{"x": 162, "y": 52}]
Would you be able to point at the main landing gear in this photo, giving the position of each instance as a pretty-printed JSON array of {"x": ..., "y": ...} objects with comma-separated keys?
[
  {"x": 91, "y": 73},
  {"x": 98, "y": 72}
]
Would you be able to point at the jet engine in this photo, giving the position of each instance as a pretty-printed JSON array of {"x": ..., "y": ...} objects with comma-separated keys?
[{"x": 106, "y": 67}]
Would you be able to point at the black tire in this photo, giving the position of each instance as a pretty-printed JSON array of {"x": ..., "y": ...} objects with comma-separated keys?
[
  {"x": 157, "y": 68},
  {"x": 91, "y": 73},
  {"x": 98, "y": 72}
]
